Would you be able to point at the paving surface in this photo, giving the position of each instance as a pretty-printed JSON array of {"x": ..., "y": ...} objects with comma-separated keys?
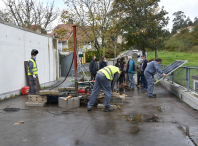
[{"x": 141, "y": 122}]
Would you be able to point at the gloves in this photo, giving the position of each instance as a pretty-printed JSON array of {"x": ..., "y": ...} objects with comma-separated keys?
[{"x": 35, "y": 76}]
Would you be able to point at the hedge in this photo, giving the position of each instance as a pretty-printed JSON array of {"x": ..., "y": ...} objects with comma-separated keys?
[
  {"x": 89, "y": 55},
  {"x": 108, "y": 54}
]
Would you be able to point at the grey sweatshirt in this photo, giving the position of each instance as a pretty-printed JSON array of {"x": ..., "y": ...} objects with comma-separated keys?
[{"x": 153, "y": 67}]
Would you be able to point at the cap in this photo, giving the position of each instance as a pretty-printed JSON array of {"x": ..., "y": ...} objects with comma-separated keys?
[{"x": 34, "y": 52}]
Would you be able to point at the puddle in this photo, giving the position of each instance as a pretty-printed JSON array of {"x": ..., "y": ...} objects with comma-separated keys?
[
  {"x": 137, "y": 118},
  {"x": 134, "y": 130}
]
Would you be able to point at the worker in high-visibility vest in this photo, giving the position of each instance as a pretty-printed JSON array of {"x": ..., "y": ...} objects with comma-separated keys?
[
  {"x": 105, "y": 79},
  {"x": 32, "y": 71}
]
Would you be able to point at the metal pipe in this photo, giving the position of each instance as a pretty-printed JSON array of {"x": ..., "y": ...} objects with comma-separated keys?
[
  {"x": 75, "y": 57},
  {"x": 188, "y": 78}
]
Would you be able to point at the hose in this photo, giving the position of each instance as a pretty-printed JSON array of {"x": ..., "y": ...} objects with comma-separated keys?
[{"x": 65, "y": 77}]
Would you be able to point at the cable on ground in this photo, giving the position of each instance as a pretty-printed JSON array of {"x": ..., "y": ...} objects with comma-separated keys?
[{"x": 180, "y": 106}]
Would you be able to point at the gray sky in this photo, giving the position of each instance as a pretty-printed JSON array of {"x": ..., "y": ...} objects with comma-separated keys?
[{"x": 189, "y": 7}]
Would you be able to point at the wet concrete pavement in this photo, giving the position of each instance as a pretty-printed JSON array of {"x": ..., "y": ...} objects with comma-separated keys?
[{"x": 96, "y": 128}]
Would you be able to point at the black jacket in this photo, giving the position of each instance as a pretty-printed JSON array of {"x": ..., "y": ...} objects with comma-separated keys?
[
  {"x": 102, "y": 64},
  {"x": 121, "y": 66},
  {"x": 144, "y": 64},
  {"x": 93, "y": 66}
]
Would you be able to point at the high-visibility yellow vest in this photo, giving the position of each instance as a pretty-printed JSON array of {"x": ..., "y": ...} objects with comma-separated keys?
[
  {"x": 109, "y": 71},
  {"x": 35, "y": 70}
]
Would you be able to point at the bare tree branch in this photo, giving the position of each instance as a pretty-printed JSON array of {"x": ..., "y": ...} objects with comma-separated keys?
[{"x": 26, "y": 13}]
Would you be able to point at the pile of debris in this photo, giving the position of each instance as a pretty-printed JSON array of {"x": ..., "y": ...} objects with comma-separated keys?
[{"x": 67, "y": 98}]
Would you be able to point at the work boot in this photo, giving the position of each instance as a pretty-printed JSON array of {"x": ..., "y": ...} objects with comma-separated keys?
[
  {"x": 89, "y": 109},
  {"x": 108, "y": 109},
  {"x": 153, "y": 96}
]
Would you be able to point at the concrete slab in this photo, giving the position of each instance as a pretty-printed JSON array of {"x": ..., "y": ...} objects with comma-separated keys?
[
  {"x": 76, "y": 101},
  {"x": 34, "y": 104},
  {"x": 47, "y": 126},
  {"x": 180, "y": 92},
  {"x": 48, "y": 92},
  {"x": 62, "y": 102}
]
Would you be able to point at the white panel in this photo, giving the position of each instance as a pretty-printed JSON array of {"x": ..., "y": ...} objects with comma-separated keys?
[{"x": 16, "y": 45}]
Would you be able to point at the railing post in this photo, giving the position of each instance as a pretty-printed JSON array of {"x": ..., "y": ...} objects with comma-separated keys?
[
  {"x": 172, "y": 77},
  {"x": 188, "y": 78}
]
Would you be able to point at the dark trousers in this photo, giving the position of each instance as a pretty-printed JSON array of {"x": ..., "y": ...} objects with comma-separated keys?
[
  {"x": 32, "y": 89},
  {"x": 144, "y": 81},
  {"x": 101, "y": 82},
  {"x": 120, "y": 80},
  {"x": 93, "y": 76},
  {"x": 138, "y": 79}
]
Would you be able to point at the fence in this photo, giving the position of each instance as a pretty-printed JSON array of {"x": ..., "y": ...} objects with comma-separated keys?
[{"x": 184, "y": 77}]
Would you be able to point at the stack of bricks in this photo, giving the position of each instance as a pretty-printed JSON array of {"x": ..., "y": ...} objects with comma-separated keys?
[
  {"x": 36, "y": 100},
  {"x": 70, "y": 103}
]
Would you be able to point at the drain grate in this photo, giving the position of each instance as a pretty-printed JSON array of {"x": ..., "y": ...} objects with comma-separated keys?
[{"x": 11, "y": 109}]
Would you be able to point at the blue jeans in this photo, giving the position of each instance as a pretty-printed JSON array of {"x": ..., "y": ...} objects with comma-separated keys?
[
  {"x": 144, "y": 81},
  {"x": 130, "y": 75},
  {"x": 101, "y": 82}
]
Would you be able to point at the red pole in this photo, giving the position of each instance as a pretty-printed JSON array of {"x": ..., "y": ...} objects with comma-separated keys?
[{"x": 75, "y": 57}]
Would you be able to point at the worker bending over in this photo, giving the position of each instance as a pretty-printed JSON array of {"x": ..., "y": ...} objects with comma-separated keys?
[
  {"x": 32, "y": 72},
  {"x": 149, "y": 73},
  {"x": 105, "y": 79}
]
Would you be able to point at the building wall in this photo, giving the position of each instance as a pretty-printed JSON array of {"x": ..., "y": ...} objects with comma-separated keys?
[
  {"x": 16, "y": 44},
  {"x": 65, "y": 65}
]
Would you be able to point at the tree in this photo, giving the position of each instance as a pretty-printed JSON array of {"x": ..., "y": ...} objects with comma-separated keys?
[
  {"x": 178, "y": 21},
  {"x": 92, "y": 16},
  {"x": 5, "y": 16},
  {"x": 195, "y": 20},
  {"x": 26, "y": 13},
  {"x": 141, "y": 22},
  {"x": 194, "y": 35},
  {"x": 188, "y": 22}
]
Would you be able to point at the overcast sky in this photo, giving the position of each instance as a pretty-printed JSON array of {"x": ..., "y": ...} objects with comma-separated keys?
[{"x": 189, "y": 7}]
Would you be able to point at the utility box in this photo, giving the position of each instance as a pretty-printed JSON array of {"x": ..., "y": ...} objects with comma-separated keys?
[
  {"x": 195, "y": 78},
  {"x": 81, "y": 55},
  {"x": 135, "y": 58}
]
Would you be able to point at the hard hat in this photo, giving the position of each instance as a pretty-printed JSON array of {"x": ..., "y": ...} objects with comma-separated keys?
[{"x": 34, "y": 52}]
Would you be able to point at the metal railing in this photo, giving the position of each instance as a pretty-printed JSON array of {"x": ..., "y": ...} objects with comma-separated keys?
[{"x": 183, "y": 76}]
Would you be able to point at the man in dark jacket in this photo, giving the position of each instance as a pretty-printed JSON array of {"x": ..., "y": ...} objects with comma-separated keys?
[
  {"x": 120, "y": 65},
  {"x": 93, "y": 67},
  {"x": 139, "y": 73},
  {"x": 144, "y": 65},
  {"x": 103, "y": 63}
]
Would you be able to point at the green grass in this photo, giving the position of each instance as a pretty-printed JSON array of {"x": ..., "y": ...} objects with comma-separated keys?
[{"x": 170, "y": 57}]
